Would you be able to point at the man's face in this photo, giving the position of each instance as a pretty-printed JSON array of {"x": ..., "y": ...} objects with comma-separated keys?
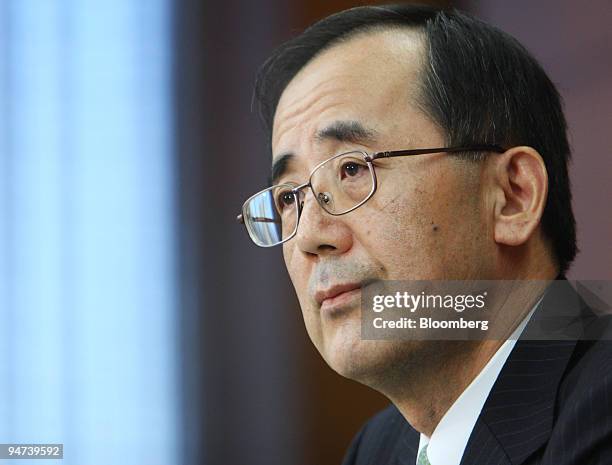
[{"x": 423, "y": 222}]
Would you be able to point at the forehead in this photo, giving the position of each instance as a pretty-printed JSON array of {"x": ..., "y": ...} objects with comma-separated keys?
[{"x": 372, "y": 78}]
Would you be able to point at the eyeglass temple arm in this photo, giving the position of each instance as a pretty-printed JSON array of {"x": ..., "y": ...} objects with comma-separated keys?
[
  {"x": 261, "y": 219},
  {"x": 471, "y": 148}
]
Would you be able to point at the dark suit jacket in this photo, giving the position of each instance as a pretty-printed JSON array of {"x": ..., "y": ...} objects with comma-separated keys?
[{"x": 551, "y": 404}]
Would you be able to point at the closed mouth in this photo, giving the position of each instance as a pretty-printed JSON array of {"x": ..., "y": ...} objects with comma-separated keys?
[{"x": 336, "y": 293}]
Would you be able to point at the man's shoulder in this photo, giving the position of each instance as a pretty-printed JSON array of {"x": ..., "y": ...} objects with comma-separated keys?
[
  {"x": 582, "y": 431},
  {"x": 589, "y": 373},
  {"x": 387, "y": 434},
  {"x": 589, "y": 368}
]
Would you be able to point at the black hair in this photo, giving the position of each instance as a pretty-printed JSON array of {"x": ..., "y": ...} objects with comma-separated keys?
[{"x": 479, "y": 85}]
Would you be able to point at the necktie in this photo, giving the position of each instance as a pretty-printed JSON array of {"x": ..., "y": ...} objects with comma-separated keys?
[{"x": 422, "y": 459}]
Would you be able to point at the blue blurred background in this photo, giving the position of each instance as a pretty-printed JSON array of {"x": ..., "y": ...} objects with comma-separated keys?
[
  {"x": 88, "y": 298},
  {"x": 138, "y": 325}
]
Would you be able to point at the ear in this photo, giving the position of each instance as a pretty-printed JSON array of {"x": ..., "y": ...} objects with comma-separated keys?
[{"x": 521, "y": 183}]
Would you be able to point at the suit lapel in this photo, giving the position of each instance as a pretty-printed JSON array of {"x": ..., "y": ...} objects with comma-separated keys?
[
  {"x": 484, "y": 448},
  {"x": 517, "y": 417}
]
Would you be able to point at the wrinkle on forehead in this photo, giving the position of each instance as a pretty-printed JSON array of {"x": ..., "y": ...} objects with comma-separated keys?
[
  {"x": 317, "y": 100},
  {"x": 321, "y": 89},
  {"x": 383, "y": 62}
]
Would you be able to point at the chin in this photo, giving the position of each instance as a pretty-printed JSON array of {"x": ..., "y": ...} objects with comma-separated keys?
[
  {"x": 385, "y": 366},
  {"x": 341, "y": 346},
  {"x": 371, "y": 363}
]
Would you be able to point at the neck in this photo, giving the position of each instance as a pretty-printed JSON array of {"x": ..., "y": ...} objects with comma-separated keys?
[{"x": 424, "y": 399}]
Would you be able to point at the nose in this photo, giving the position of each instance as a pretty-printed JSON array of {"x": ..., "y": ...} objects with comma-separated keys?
[{"x": 320, "y": 233}]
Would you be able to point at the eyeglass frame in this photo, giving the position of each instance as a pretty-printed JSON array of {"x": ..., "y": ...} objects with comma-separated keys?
[{"x": 368, "y": 158}]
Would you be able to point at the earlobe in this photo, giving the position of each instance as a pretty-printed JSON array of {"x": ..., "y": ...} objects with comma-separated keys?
[{"x": 522, "y": 187}]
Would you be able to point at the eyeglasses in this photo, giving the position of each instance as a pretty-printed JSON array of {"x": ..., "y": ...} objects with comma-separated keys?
[{"x": 340, "y": 184}]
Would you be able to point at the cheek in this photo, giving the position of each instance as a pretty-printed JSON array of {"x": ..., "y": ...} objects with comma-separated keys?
[
  {"x": 388, "y": 233},
  {"x": 399, "y": 214},
  {"x": 419, "y": 232}
]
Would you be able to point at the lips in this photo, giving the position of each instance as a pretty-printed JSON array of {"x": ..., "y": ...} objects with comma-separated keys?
[{"x": 334, "y": 293}]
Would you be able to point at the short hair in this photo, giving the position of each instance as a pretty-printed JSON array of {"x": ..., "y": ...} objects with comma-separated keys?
[{"x": 479, "y": 85}]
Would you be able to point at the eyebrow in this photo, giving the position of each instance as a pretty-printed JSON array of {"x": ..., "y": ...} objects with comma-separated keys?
[
  {"x": 340, "y": 131},
  {"x": 346, "y": 131},
  {"x": 280, "y": 167}
]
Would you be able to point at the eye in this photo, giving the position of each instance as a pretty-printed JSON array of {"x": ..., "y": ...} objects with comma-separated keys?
[
  {"x": 285, "y": 199},
  {"x": 352, "y": 169}
]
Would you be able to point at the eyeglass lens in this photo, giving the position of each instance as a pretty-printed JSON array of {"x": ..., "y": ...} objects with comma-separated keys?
[{"x": 339, "y": 184}]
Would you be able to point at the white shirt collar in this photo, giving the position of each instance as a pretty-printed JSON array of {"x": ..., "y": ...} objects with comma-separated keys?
[{"x": 449, "y": 439}]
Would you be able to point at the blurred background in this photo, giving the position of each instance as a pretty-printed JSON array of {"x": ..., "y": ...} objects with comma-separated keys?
[{"x": 138, "y": 324}]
